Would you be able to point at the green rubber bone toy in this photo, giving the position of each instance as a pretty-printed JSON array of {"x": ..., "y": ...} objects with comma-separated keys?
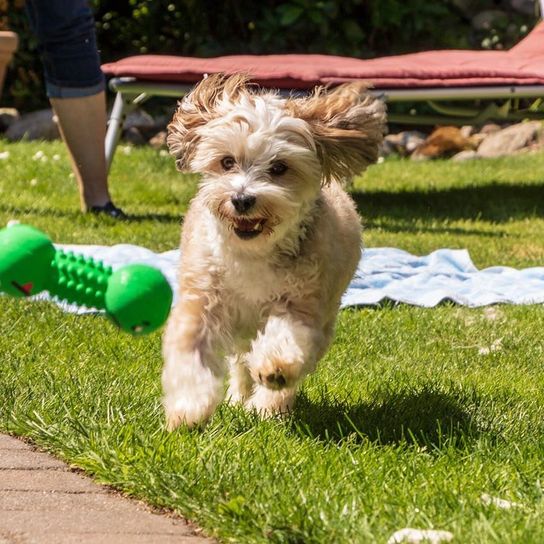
[{"x": 136, "y": 297}]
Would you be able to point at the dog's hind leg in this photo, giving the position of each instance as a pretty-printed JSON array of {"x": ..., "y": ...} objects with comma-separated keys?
[{"x": 240, "y": 383}]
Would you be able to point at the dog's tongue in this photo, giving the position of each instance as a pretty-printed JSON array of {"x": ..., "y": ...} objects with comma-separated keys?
[{"x": 246, "y": 225}]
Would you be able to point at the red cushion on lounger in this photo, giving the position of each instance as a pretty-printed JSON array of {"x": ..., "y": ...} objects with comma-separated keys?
[{"x": 521, "y": 65}]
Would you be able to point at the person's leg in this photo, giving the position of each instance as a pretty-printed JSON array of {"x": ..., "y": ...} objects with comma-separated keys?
[
  {"x": 82, "y": 123},
  {"x": 75, "y": 87}
]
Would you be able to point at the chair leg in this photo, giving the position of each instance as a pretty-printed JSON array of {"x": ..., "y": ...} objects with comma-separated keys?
[{"x": 122, "y": 106}]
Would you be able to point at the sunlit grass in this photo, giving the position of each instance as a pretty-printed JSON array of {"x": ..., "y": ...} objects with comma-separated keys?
[{"x": 412, "y": 415}]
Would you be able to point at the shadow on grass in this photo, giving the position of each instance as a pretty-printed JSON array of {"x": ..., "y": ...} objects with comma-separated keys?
[
  {"x": 40, "y": 212},
  {"x": 423, "y": 418},
  {"x": 402, "y": 226},
  {"x": 78, "y": 215},
  {"x": 496, "y": 202},
  {"x": 156, "y": 217}
]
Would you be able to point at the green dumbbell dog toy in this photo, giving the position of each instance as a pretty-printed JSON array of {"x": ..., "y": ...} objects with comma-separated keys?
[{"x": 136, "y": 297}]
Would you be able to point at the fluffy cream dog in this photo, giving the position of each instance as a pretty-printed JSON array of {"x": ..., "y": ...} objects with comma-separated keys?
[{"x": 270, "y": 241}]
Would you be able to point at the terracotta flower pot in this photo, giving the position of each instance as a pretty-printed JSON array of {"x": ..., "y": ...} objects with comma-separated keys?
[{"x": 8, "y": 46}]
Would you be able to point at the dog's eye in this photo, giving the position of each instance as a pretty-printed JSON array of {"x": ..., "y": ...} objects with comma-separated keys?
[
  {"x": 278, "y": 168},
  {"x": 228, "y": 163}
]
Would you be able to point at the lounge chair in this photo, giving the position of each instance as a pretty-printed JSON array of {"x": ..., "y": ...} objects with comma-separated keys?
[{"x": 436, "y": 77}]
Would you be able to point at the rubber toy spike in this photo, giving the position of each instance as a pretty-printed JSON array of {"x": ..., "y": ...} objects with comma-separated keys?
[{"x": 136, "y": 297}]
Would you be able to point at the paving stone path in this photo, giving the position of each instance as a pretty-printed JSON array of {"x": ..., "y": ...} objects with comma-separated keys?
[{"x": 43, "y": 502}]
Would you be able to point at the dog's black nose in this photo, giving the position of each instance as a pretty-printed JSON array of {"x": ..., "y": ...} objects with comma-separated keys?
[{"x": 242, "y": 202}]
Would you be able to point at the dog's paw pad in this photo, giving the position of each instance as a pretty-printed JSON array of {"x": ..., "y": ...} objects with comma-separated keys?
[
  {"x": 275, "y": 373},
  {"x": 276, "y": 379}
]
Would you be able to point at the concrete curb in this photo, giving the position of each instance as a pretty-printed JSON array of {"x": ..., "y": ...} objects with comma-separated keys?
[{"x": 43, "y": 502}]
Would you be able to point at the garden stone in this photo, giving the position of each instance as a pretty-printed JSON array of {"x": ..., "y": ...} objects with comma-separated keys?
[
  {"x": 404, "y": 142},
  {"x": 159, "y": 140},
  {"x": 477, "y": 139},
  {"x": 534, "y": 147},
  {"x": 443, "y": 142},
  {"x": 413, "y": 139},
  {"x": 466, "y": 155},
  {"x": 161, "y": 121},
  {"x": 490, "y": 128},
  {"x": 138, "y": 119},
  {"x": 134, "y": 136},
  {"x": 38, "y": 125},
  {"x": 386, "y": 149},
  {"x": 7, "y": 117},
  {"x": 140, "y": 127},
  {"x": 510, "y": 139}
]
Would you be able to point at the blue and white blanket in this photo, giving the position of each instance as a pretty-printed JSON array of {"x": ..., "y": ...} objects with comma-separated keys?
[
  {"x": 383, "y": 274},
  {"x": 444, "y": 274}
]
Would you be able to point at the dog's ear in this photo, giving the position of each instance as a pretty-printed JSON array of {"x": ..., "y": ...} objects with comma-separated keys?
[
  {"x": 198, "y": 108},
  {"x": 348, "y": 125}
]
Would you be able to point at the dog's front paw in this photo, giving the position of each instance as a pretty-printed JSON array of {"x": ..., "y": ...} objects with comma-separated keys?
[
  {"x": 191, "y": 394},
  {"x": 185, "y": 410},
  {"x": 269, "y": 403},
  {"x": 276, "y": 374}
]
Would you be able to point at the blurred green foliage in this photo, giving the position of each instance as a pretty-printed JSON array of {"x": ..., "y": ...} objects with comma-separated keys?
[{"x": 361, "y": 28}]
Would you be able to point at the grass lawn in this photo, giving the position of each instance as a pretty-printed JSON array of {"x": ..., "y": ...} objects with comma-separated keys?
[{"x": 407, "y": 422}]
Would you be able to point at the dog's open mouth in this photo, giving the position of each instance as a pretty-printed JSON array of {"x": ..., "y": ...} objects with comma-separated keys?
[{"x": 246, "y": 228}]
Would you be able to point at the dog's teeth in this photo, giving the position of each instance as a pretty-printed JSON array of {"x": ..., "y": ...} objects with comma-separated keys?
[{"x": 258, "y": 226}]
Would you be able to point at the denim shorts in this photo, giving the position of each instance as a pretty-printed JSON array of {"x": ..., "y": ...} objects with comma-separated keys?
[{"x": 67, "y": 44}]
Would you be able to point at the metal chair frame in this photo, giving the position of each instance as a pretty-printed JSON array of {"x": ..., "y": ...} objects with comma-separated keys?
[{"x": 132, "y": 92}]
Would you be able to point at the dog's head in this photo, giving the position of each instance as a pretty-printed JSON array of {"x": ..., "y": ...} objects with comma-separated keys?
[{"x": 264, "y": 158}]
